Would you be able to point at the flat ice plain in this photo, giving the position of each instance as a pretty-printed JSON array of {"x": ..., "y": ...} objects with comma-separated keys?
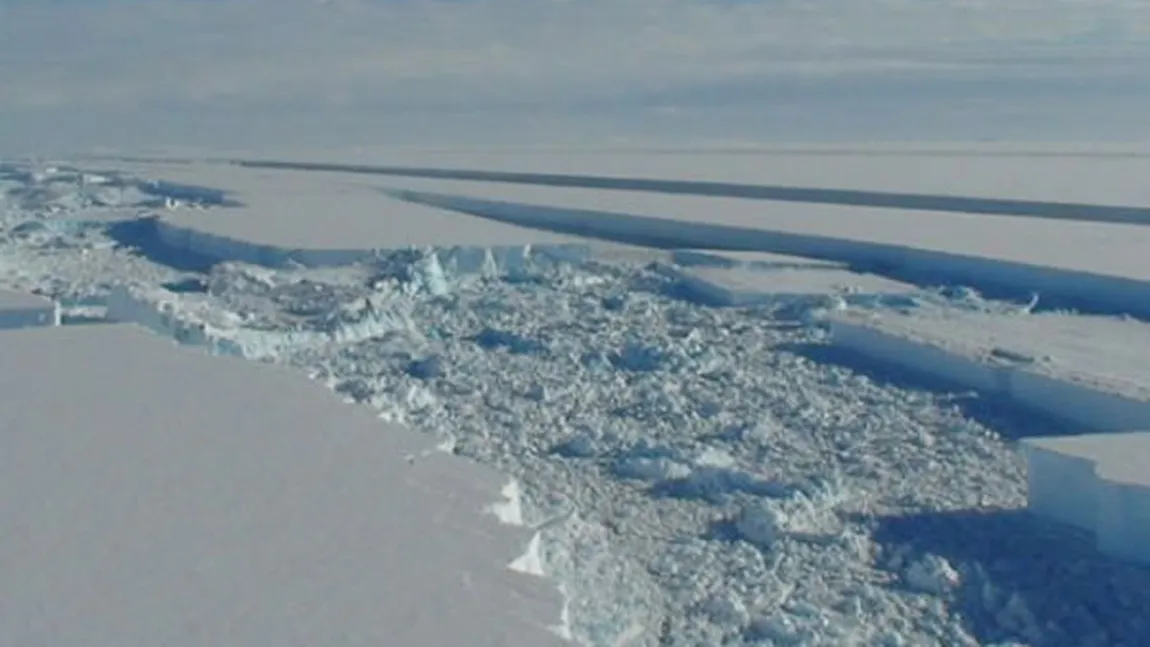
[
  {"x": 1102, "y": 175},
  {"x": 154, "y": 495},
  {"x": 747, "y": 279},
  {"x": 702, "y": 465}
]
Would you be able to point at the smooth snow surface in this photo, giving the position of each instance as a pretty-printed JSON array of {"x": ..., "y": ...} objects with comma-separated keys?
[
  {"x": 755, "y": 279},
  {"x": 687, "y": 474},
  {"x": 157, "y": 496},
  {"x": 1092, "y": 371},
  {"x": 21, "y": 310}
]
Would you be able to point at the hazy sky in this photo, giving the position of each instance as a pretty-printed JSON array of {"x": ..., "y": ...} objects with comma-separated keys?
[{"x": 342, "y": 71}]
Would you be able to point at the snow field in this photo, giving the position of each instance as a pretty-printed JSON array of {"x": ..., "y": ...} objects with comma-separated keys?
[
  {"x": 695, "y": 475},
  {"x": 237, "y": 505},
  {"x": 1078, "y": 174},
  {"x": 757, "y": 279}
]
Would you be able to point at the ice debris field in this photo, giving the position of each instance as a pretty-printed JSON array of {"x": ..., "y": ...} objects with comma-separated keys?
[{"x": 600, "y": 399}]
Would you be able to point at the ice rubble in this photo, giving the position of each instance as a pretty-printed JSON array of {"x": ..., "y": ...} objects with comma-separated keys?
[
  {"x": 531, "y": 562},
  {"x": 230, "y": 327},
  {"x": 203, "y": 528},
  {"x": 705, "y": 477},
  {"x": 573, "y": 427},
  {"x": 196, "y": 322},
  {"x": 1098, "y": 481},
  {"x": 60, "y": 188}
]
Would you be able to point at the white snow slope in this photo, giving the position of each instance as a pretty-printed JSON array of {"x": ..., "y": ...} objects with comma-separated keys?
[
  {"x": 700, "y": 471},
  {"x": 153, "y": 495}
]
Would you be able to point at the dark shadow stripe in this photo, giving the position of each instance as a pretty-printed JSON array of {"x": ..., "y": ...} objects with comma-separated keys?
[{"x": 1077, "y": 211}]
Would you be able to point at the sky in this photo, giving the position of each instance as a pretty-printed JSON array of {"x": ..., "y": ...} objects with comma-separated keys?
[{"x": 338, "y": 72}]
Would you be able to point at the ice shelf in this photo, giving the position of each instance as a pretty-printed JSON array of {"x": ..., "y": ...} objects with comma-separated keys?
[
  {"x": 1107, "y": 270},
  {"x": 195, "y": 324},
  {"x": 1092, "y": 372},
  {"x": 1085, "y": 173},
  {"x": 323, "y": 218},
  {"x": 154, "y": 495},
  {"x": 18, "y": 310},
  {"x": 309, "y": 219},
  {"x": 751, "y": 279},
  {"x": 1098, "y": 482}
]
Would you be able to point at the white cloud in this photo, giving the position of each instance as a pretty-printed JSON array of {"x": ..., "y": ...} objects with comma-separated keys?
[
  {"x": 419, "y": 52},
  {"x": 660, "y": 57}
]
